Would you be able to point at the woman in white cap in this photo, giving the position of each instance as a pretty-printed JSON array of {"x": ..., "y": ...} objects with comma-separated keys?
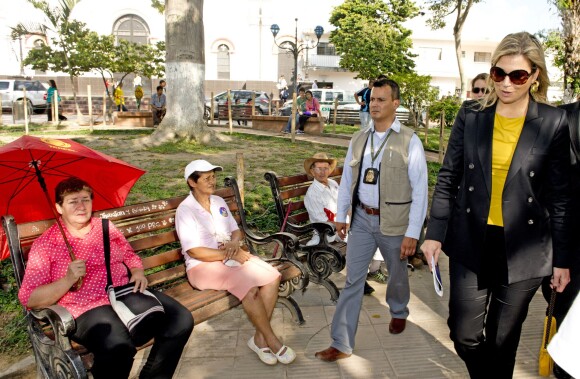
[{"x": 210, "y": 242}]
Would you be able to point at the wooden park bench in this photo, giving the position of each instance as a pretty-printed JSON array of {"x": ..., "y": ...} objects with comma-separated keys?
[
  {"x": 151, "y": 231},
  {"x": 133, "y": 118},
  {"x": 323, "y": 259},
  {"x": 345, "y": 117},
  {"x": 240, "y": 112}
]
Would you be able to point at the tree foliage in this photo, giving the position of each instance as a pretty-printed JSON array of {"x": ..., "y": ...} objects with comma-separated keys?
[
  {"x": 449, "y": 104},
  {"x": 566, "y": 44},
  {"x": 370, "y": 37},
  {"x": 65, "y": 54},
  {"x": 440, "y": 10},
  {"x": 416, "y": 92},
  {"x": 65, "y": 30}
]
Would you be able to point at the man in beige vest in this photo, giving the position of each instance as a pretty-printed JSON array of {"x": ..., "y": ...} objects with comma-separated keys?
[{"x": 384, "y": 185}]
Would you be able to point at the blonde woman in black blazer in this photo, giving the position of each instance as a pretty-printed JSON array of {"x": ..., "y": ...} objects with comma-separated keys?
[{"x": 502, "y": 236}]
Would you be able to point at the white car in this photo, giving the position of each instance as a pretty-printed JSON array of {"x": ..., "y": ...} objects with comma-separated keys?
[
  {"x": 12, "y": 90},
  {"x": 403, "y": 114}
]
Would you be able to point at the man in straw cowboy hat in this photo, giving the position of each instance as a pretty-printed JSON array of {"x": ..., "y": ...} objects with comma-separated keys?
[
  {"x": 321, "y": 203},
  {"x": 384, "y": 186}
]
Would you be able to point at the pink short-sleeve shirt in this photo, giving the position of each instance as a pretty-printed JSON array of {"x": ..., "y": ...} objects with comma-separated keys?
[
  {"x": 196, "y": 227},
  {"x": 48, "y": 262}
]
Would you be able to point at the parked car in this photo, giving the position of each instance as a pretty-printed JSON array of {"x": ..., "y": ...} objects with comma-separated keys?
[
  {"x": 262, "y": 100},
  {"x": 12, "y": 90},
  {"x": 285, "y": 109}
]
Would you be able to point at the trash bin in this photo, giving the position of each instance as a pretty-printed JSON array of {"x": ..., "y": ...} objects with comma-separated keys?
[{"x": 18, "y": 110}]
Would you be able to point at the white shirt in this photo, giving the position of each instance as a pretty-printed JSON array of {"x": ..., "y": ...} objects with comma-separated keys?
[
  {"x": 319, "y": 197},
  {"x": 316, "y": 199},
  {"x": 196, "y": 227},
  {"x": 369, "y": 195}
]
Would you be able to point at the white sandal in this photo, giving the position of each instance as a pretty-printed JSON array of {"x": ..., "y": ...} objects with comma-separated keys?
[
  {"x": 287, "y": 357},
  {"x": 264, "y": 353}
]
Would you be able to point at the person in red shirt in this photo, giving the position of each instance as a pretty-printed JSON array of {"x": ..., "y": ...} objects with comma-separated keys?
[{"x": 50, "y": 275}]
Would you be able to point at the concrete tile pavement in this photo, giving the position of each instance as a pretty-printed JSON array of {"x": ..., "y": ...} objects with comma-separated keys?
[{"x": 217, "y": 347}]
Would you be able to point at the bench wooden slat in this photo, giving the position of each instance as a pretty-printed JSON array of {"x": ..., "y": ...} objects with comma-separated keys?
[
  {"x": 155, "y": 240},
  {"x": 167, "y": 275},
  {"x": 162, "y": 259},
  {"x": 300, "y": 218}
]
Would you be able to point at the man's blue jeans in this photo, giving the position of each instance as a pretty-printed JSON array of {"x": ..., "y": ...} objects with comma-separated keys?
[
  {"x": 365, "y": 118},
  {"x": 288, "y": 127}
]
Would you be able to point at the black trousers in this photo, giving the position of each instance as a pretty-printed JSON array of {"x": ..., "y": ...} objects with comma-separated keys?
[
  {"x": 486, "y": 314},
  {"x": 103, "y": 333},
  {"x": 49, "y": 113}
]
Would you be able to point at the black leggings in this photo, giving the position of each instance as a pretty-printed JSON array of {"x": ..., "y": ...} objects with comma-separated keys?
[
  {"x": 483, "y": 302},
  {"x": 103, "y": 333},
  {"x": 302, "y": 121}
]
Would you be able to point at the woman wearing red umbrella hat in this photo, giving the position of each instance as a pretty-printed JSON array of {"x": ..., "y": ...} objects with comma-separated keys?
[{"x": 50, "y": 275}]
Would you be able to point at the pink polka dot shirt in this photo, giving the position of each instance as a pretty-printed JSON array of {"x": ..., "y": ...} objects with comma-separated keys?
[{"x": 48, "y": 261}]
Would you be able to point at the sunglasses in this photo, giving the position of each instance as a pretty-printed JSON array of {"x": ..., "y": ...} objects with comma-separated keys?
[
  {"x": 477, "y": 90},
  {"x": 517, "y": 77}
]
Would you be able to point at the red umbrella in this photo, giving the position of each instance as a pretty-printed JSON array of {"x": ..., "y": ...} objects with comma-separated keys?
[{"x": 31, "y": 167}]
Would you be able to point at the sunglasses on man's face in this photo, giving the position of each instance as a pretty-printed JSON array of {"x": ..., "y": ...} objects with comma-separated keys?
[
  {"x": 517, "y": 77},
  {"x": 477, "y": 90}
]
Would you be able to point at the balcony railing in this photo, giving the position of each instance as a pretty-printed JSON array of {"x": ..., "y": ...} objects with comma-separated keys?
[{"x": 323, "y": 61}]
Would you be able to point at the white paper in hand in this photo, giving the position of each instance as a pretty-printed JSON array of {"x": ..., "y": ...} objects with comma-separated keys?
[{"x": 437, "y": 283}]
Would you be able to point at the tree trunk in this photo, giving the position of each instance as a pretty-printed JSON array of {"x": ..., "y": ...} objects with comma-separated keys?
[
  {"x": 462, "y": 12},
  {"x": 74, "y": 91},
  {"x": 185, "y": 72},
  {"x": 457, "y": 37},
  {"x": 571, "y": 28}
]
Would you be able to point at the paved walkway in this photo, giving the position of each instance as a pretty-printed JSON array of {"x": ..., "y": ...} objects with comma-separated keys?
[{"x": 217, "y": 347}]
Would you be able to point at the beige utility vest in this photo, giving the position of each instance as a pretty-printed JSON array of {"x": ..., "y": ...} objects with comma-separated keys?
[{"x": 394, "y": 184}]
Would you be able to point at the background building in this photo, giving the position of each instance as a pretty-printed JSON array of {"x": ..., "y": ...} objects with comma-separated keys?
[{"x": 239, "y": 48}]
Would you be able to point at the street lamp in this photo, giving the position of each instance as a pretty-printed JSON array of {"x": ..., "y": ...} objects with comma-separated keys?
[{"x": 295, "y": 48}]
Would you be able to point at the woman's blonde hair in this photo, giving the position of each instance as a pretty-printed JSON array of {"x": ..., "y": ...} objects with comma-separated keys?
[{"x": 525, "y": 44}]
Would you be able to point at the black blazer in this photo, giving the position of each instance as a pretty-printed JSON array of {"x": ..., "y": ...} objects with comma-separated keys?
[{"x": 536, "y": 195}]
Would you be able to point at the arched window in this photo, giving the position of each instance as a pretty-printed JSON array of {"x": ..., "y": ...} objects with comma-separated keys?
[
  {"x": 223, "y": 62},
  {"x": 38, "y": 43},
  {"x": 131, "y": 28}
]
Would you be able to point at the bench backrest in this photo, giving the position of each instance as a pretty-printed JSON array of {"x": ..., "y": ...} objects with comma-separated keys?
[
  {"x": 149, "y": 227},
  {"x": 291, "y": 190},
  {"x": 239, "y": 111},
  {"x": 345, "y": 116}
]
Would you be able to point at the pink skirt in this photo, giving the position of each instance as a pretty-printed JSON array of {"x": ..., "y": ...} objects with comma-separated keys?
[{"x": 236, "y": 280}]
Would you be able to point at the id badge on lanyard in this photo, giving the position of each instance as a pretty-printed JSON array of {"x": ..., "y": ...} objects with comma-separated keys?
[{"x": 371, "y": 175}]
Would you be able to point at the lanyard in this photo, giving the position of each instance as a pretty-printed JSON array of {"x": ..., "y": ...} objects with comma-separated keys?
[{"x": 373, "y": 155}]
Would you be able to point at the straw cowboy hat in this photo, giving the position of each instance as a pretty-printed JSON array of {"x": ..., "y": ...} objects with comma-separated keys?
[{"x": 319, "y": 157}]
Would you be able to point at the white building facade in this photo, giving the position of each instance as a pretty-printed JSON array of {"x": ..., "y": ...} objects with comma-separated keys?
[{"x": 240, "y": 49}]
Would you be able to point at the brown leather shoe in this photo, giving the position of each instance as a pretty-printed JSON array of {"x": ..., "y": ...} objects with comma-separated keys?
[
  {"x": 397, "y": 325},
  {"x": 331, "y": 354}
]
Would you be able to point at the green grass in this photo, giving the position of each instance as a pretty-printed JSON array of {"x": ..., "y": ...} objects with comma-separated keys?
[{"x": 341, "y": 129}]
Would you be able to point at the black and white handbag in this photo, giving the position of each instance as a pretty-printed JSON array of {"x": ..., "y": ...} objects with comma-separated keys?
[{"x": 141, "y": 312}]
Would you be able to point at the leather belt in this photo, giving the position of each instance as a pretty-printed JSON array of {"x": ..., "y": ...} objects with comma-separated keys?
[{"x": 369, "y": 210}]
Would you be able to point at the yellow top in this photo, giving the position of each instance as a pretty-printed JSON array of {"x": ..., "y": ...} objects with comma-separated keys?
[
  {"x": 119, "y": 96},
  {"x": 506, "y": 133}
]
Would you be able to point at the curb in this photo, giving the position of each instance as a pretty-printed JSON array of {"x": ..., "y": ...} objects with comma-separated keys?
[{"x": 18, "y": 366}]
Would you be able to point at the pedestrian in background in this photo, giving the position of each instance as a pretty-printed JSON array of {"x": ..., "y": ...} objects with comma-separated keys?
[
  {"x": 120, "y": 97},
  {"x": 49, "y": 100},
  {"x": 364, "y": 102}
]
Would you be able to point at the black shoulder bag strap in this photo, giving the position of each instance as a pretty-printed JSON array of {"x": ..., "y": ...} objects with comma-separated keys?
[{"x": 107, "y": 246}]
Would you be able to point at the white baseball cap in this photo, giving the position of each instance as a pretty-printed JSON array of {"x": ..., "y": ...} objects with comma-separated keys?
[{"x": 200, "y": 165}]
